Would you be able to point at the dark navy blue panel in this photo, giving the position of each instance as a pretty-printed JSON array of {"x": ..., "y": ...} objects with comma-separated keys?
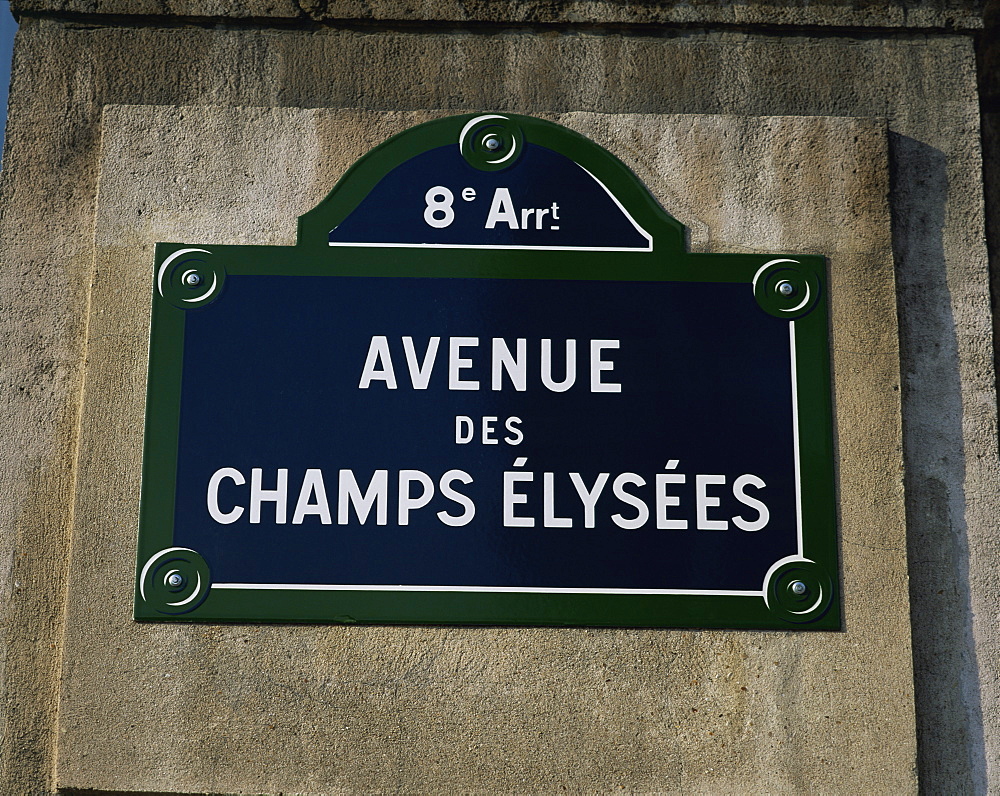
[
  {"x": 270, "y": 380},
  {"x": 570, "y": 207}
]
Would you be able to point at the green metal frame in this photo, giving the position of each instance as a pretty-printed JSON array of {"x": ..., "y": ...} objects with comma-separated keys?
[{"x": 778, "y": 606}]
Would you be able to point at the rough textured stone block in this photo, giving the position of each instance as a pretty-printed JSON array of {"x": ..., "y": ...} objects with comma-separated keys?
[
  {"x": 921, "y": 81},
  {"x": 317, "y": 709}
]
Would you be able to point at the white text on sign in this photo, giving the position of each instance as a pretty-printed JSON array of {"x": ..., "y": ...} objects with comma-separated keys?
[
  {"x": 439, "y": 210},
  {"x": 514, "y": 364},
  {"x": 629, "y": 500}
]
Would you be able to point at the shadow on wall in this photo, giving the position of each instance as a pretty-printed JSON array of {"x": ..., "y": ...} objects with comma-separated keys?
[{"x": 950, "y": 742}]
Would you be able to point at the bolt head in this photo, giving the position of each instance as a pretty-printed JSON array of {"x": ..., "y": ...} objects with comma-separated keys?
[
  {"x": 492, "y": 143},
  {"x": 192, "y": 280},
  {"x": 786, "y": 288},
  {"x": 175, "y": 579},
  {"x": 798, "y": 588}
]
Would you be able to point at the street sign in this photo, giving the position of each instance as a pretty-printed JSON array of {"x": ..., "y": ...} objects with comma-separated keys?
[{"x": 489, "y": 385}]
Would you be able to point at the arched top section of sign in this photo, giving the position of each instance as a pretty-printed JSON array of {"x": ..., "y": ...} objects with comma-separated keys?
[{"x": 491, "y": 181}]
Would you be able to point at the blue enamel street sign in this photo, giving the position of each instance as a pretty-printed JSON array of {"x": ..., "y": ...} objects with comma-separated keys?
[{"x": 488, "y": 385}]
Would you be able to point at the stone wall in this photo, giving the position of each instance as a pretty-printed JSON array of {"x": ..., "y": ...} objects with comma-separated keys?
[{"x": 133, "y": 122}]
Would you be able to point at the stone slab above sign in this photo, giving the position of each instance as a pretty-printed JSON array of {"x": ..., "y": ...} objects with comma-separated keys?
[{"x": 489, "y": 385}]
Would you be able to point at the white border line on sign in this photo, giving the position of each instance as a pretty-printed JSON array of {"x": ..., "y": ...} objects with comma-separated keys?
[
  {"x": 491, "y": 589},
  {"x": 491, "y": 248},
  {"x": 795, "y": 439},
  {"x": 548, "y": 590}
]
